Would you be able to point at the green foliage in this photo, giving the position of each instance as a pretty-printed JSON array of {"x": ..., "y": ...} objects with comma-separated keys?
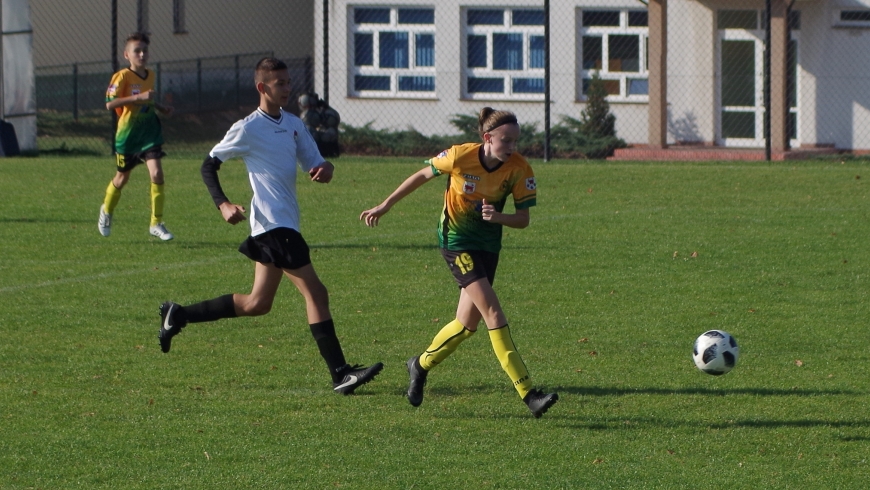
[
  {"x": 596, "y": 121},
  {"x": 603, "y": 291},
  {"x": 572, "y": 137},
  {"x": 567, "y": 140},
  {"x": 193, "y": 135},
  {"x": 367, "y": 141}
]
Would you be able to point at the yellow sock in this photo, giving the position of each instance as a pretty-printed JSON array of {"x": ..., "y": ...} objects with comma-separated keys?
[
  {"x": 510, "y": 359},
  {"x": 113, "y": 195},
  {"x": 157, "y": 198},
  {"x": 447, "y": 340}
]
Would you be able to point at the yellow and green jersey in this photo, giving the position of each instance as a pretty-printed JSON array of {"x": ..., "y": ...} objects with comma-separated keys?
[
  {"x": 469, "y": 182},
  {"x": 138, "y": 125}
]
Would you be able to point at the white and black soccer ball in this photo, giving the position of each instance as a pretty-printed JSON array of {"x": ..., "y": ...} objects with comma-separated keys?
[{"x": 715, "y": 352}]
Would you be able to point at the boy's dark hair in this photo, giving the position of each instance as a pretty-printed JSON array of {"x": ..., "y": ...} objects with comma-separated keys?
[
  {"x": 267, "y": 65},
  {"x": 139, "y": 37}
]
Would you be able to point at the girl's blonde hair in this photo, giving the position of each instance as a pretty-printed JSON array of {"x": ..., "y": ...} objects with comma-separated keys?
[{"x": 490, "y": 119}]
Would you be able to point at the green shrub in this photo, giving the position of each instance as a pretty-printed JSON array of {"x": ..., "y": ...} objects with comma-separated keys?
[{"x": 567, "y": 140}]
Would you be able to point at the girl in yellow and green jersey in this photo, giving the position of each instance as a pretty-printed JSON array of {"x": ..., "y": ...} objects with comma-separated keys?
[
  {"x": 480, "y": 176},
  {"x": 139, "y": 137}
]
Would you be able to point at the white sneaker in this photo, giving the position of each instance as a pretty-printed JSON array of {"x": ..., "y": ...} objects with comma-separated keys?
[
  {"x": 105, "y": 223},
  {"x": 160, "y": 231}
]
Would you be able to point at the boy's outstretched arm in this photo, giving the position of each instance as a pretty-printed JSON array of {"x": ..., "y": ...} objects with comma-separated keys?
[{"x": 232, "y": 213}]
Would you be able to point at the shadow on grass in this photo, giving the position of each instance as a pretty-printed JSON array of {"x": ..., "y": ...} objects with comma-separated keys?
[
  {"x": 636, "y": 422},
  {"x": 41, "y": 221},
  {"x": 410, "y": 246},
  {"x": 604, "y": 391},
  {"x": 368, "y": 246}
]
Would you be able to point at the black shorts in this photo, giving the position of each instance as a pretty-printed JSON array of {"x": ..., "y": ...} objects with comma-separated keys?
[
  {"x": 127, "y": 162},
  {"x": 282, "y": 246},
  {"x": 468, "y": 266}
]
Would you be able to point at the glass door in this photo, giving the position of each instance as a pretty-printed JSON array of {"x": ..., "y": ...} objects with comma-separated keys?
[{"x": 741, "y": 95}]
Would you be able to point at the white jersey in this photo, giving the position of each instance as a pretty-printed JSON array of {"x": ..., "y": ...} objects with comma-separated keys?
[{"x": 271, "y": 149}]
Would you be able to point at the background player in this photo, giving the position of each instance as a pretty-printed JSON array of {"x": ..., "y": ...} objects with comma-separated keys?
[
  {"x": 272, "y": 143},
  {"x": 480, "y": 178},
  {"x": 139, "y": 137}
]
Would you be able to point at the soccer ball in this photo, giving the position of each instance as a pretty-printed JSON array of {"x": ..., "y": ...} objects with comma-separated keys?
[{"x": 715, "y": 352}]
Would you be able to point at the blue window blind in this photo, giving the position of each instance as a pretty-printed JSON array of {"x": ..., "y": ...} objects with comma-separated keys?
[
  {"x": 394, "y": 49},
  {"x": 638, "y": 86},
  {"x": 536, "y": 51},
  {"x": 507, "y": 51},
  {"x": 425, "y": 47},
  {"x": 417, "y": 84},
  {"x": 528, "y": 85}
]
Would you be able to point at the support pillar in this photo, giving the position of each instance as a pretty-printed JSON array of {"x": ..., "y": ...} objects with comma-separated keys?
[
  {"x": 658, "y": 74},
  {"x": 779, "y": 138}
]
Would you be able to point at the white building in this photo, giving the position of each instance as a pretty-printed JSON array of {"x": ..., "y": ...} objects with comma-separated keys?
[{"x": 415, "y": 63}]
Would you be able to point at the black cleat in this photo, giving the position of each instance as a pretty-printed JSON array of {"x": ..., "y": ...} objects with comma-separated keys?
[
  {"x": 170, "y": 324},
  {"x": 539, "y": 402},
  {"x": 418, "y": 380},
  {"x": 356, "y": 376}
]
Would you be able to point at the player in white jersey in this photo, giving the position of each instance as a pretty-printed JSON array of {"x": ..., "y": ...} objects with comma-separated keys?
[{"x": 272, "y": 143}]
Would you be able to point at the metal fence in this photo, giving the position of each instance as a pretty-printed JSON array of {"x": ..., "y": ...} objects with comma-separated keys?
[{"x": 682, "y": 78}]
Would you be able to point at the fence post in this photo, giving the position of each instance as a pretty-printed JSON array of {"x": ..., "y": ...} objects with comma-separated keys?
[
  {"x": 198, "y": 84},
  {"x": 546, "y": 80},
  {"x": 309, "y": 74},
  {"x": 157, "y": 78},
  {"x": 238, "y": 84},
  {"x": 325, "y": 96},
  {"x": 75, "y": 90},
  {"x": 767, "y": 38},
  {"x": 114, "y": 65}
]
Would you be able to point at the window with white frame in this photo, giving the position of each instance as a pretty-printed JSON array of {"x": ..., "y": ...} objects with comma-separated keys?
[
  {"x": 393, "y": 52},
  {"x": 504, "y": 54},
  {"x": 852, "y": 17},
  {"x": 614, "y": 44}
]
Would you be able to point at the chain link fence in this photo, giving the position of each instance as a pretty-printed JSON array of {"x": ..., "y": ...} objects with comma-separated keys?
[{"x": 664, "y": 78}]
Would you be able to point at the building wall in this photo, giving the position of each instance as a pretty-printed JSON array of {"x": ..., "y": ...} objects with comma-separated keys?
[
  {"x": 692, "y": 83},
  {"x": 432, "y": 116},
  {"x": 68, "y": 31},
  {"x": 835, "y": 77}
]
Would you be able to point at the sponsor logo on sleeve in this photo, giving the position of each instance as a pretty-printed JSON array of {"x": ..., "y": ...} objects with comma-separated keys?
[{"x": 531, "y": 184}]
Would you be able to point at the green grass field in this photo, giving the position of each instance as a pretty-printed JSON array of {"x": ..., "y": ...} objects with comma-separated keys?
[{"x": 624, "y": 264}]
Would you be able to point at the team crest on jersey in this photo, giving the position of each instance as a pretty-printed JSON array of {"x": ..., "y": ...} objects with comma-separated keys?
[
  {"x": 531, "y": 184},
  {"x": 442, "y": 154},
  {"x": 136, "y": 90},
  {"x": 469, "y": 187}
]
